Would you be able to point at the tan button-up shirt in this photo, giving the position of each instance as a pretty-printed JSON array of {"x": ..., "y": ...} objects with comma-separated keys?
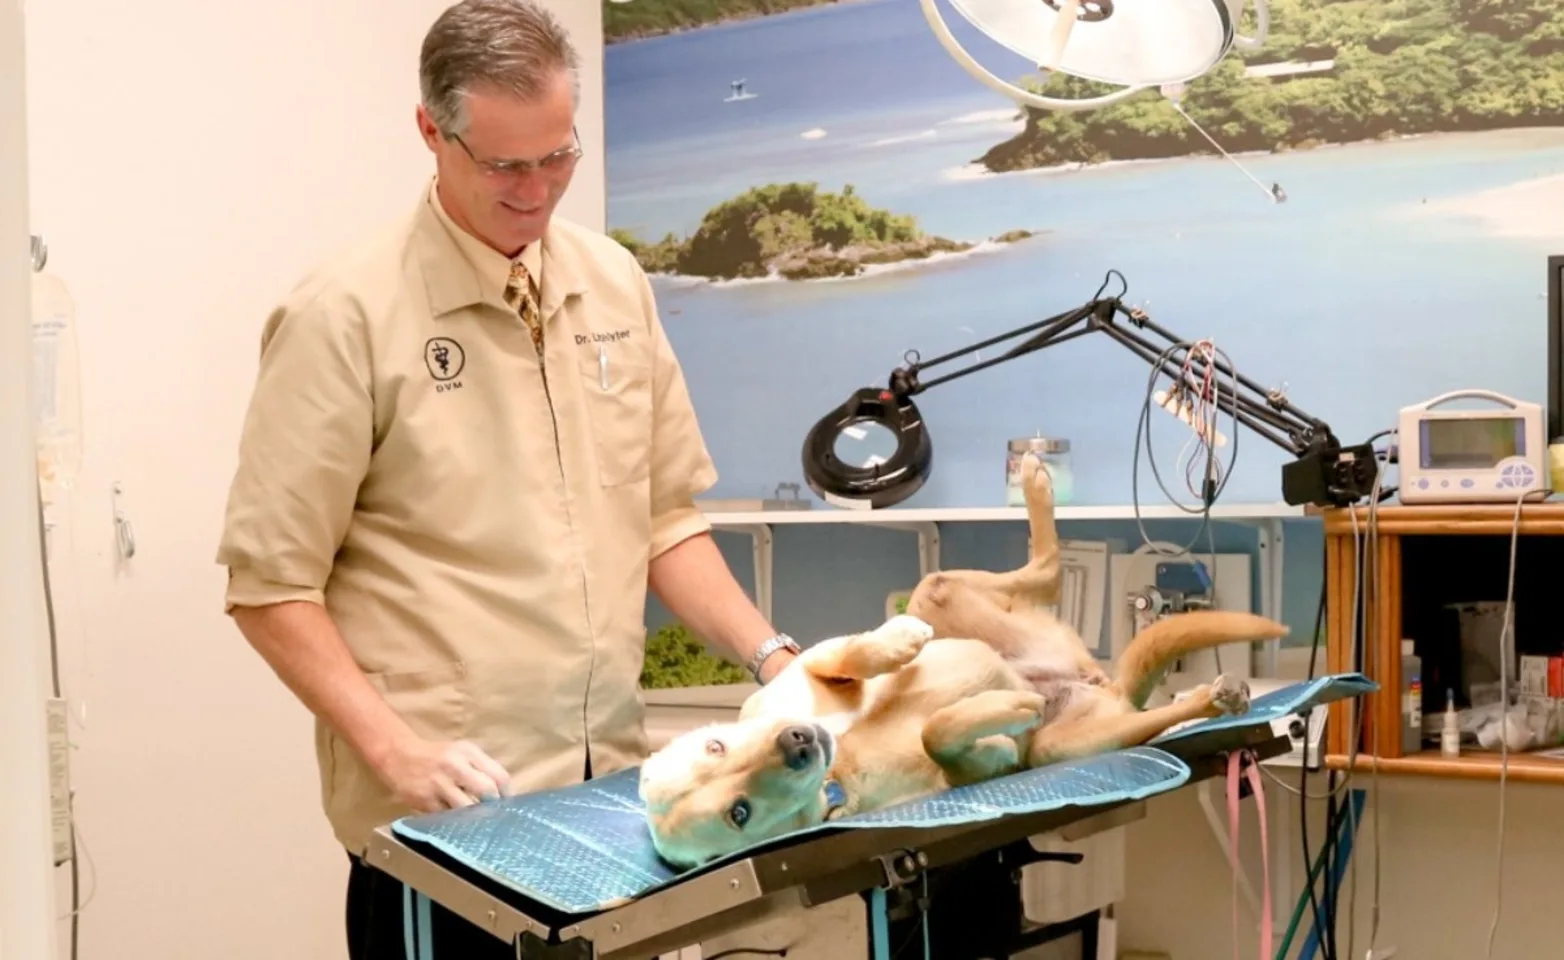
[{"x": 478, "y": 522}]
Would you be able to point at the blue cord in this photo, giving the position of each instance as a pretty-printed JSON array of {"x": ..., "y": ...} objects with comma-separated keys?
[
  {"x": 1311, "y": 944},
  {"x": 881, "y": 923},
  {"x": 880, "y": 919},
  {"x": 417, "y": 938}
]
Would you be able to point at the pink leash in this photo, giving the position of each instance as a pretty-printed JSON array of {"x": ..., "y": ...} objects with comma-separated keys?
[{"x": 1235, "y": 766}]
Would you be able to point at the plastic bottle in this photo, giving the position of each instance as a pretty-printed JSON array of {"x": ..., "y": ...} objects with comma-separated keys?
[
  {"x": 1450, "y": 736},
  {"x": 1411, "y": 700}
]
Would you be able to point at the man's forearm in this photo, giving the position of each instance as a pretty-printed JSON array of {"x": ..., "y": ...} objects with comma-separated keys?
[
  {"x": 693, "y": 581},
  {"x": 302, "y": 645}
]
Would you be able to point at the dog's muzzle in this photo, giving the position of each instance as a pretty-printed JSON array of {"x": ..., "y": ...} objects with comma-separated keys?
[{"x": 800, "y": 746}]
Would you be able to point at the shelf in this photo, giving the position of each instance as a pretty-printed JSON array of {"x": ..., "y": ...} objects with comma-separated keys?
[
  {"x": 899, "y": 515},
  {"x": 1471, "y": 765},
  {"x": 1545, "y": 518},
  {"x": 925, "y": 523}
]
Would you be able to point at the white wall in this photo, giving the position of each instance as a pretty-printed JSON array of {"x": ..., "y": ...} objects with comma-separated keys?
[
  {"x": 1438, "y": 881},
  {"x": 188, "y": 161}
]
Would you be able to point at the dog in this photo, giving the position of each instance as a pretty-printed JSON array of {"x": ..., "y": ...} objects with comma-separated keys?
[{"x": 977, "y": 680}]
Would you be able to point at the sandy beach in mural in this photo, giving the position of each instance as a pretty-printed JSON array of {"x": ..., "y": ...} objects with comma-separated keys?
[{"x": 1531, "y": 210}]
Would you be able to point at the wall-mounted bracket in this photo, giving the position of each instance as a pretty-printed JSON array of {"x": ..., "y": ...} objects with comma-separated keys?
[
  {"x": 762, "y": 539},
  {"x": 760, "y": 543}
]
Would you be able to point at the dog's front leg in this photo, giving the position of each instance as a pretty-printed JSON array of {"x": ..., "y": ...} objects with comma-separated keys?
[
  {"x": 1096, "y": 734},
  {"x": 888, "y": 648},
  {"x": 973, "y": 740}
]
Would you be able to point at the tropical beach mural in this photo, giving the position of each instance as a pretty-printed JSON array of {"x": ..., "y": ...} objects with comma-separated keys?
[{"x": 1356, "y": 210}]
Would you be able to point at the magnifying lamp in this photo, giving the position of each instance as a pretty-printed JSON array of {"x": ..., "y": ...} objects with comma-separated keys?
[
  {"x": 1130, "y": 44},
  {"x": 1324, "y": 472}
]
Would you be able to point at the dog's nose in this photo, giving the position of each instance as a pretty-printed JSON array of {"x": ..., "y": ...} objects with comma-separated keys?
[{"x": 798, "y": 745}]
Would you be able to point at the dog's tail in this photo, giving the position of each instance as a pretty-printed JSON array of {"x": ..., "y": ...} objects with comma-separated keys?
[{"x": 1154, "y": 649}]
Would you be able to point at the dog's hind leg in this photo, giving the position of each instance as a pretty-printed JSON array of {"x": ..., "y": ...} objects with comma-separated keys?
[
  {"x": 1075, "y": 738},
  {"x": 1038, "y": 645},
  {"x": 1033, "y": 585},
  {"x": 973, "y": 740}
]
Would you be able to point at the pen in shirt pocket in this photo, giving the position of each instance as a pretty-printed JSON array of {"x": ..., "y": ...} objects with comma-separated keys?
[{"x": 602, "y": 366}]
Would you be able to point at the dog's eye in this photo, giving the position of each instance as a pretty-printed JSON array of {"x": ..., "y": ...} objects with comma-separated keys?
[
  {"x": 715, "y": 748},
  {"x": 739, "y": 813}
]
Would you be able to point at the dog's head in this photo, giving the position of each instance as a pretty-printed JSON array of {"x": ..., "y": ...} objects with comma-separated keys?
[{"x": 720, "y": 788}]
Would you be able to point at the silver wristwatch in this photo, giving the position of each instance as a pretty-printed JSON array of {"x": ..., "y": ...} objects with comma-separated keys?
[{"x": 763, "y": 652}]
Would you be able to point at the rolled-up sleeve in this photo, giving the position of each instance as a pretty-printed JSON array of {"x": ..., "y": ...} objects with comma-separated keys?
[
  {"x": 303, "y": 453},
  {"x": 681, "y": 466}
]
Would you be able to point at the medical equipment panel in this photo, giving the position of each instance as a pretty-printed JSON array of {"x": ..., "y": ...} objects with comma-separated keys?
[{"x": 1470, "y": 455}]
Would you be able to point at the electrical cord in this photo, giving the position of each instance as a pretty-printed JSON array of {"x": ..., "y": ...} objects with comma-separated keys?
[
  {"x": 1194, "y": 400},
  {"x": 78, "y": 847},
  {"x": 1370, "y": 652},
  {"x": 1325, "y": 905},
  {"x": 1208, "y": 405},
  {"x": 1506, "y": 644},
  {"x": 1372, "y": 603},
  {"x": 1303, "y": 780},
  {"x": 54, "y": 671}
]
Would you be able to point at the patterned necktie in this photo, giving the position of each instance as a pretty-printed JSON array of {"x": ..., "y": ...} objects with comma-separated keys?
[{"x": 521, "y": 296}]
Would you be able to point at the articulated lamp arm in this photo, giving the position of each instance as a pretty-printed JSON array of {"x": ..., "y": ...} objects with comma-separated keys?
[{"x": 1323, "y": 472}]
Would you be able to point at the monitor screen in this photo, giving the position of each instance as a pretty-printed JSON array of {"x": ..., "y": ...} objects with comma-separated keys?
[{"x": 1470, "y": 442}]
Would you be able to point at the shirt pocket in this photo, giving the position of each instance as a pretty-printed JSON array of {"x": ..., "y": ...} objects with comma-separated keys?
[{"x": 617, "y": 387}]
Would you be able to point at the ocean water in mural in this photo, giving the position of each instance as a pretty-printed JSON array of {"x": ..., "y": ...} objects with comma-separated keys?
[{"x": 878, "y": 200}]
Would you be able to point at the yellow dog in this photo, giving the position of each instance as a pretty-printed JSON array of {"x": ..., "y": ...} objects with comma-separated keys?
[{"x": 976, "y": 681}]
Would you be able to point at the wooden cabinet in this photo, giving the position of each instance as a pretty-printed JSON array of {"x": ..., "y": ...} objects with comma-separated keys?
[{"x": 1417, "y": 562}]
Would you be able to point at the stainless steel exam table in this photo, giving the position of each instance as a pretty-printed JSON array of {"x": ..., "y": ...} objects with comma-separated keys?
[{"x": 571, "y": 873}]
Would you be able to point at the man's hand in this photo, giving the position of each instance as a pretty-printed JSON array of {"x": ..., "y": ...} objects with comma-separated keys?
[{"x": 432, "y": 775}]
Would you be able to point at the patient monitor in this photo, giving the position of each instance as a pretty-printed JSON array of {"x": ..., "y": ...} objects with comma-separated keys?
[{"x": 1493, "y": 454}]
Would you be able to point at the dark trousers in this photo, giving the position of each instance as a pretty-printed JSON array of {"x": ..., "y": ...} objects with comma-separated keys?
[{"x": 376, "y": 930}]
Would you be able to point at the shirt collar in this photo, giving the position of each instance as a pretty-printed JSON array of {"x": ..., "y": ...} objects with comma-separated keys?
[{"x": 448, "y": 247}]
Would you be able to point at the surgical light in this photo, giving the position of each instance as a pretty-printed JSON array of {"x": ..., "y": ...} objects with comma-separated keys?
[{"x": 1131, "y": 44}]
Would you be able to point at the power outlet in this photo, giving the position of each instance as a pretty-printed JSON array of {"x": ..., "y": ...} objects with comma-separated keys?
[{"x": 60, "y": 778}]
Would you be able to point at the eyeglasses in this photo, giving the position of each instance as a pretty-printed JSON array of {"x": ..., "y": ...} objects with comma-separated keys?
[{"x": 557, "y": 162}]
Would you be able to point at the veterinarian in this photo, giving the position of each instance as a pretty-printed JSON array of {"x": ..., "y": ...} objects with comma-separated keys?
[{"x": 469, "y": 452}]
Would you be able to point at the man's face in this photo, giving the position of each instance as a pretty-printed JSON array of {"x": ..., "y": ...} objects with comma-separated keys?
[{"x": 502, "y": 176}]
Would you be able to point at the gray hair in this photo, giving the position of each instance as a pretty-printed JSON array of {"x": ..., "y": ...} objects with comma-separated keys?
[{"x": 509, "y": 45}]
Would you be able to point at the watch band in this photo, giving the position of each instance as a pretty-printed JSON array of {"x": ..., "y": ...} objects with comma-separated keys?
[{"x": 763, "y": 652}]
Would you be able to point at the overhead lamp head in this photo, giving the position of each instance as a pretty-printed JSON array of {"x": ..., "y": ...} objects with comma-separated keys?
[
  {"x": 903, "y": 454},
  {"x": 1133, "y": 43}
]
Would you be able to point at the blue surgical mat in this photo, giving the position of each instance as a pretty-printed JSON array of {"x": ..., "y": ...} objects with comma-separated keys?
[
  {"x": 586, "y": 848},
  {"x": 1281, "y": 703}
]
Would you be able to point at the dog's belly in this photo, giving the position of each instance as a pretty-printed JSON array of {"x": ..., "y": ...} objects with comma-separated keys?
[
  {"x": 1059, "y": 696},
  {"x": 945, "y": 672}
]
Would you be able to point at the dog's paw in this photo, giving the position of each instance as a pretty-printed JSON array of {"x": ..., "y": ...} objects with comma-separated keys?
[
  {"x": 1230, "y": 695},
  {"x": 899, "y": 640},
  {"x": 1015, "y": 711},
  {"x": 906, "y": 623},
  {"x": 1036, "y": 481}
]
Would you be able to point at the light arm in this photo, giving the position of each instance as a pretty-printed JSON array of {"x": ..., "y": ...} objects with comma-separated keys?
[{"x": 1324, "y": 472}]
